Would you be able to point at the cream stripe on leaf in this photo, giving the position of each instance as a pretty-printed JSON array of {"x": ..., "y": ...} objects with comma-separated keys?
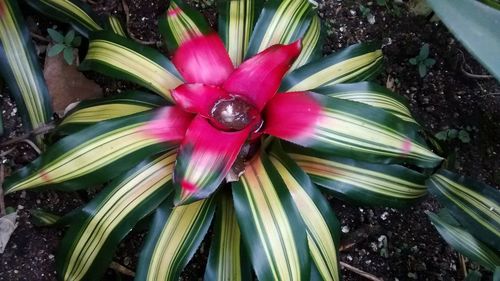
[
  {"x": 89, "y": 112},
  {"x": 271, "y": 226},
  {"x": 475, "y": 205},
  {"x": 174, "y": 236},
  {"x": 359, "y": 131},
  {"x": 43, "y": 218},
  {"x": 352, "y": 64},
  {"x": 372, "y": 94},
  {"x": 75, "y": 12},
  {"x": 236, "y": 22},
  {"x": 115, "y": 25},
  {"x": 90, "y": 156},
  {"x": 227, "y": 259},
  {"x": 323, "y": 228},
  {"x": 90, "y": 242},
  {"x": 181, "y": 23},
  {"x": 312, "y": 44},
  {"x": 462, "y": 241},
  {"x": 364, "y": 183},
  {"x": 120, "y": 57},
  {"x": 280, "y": 22},
  {"x": 20, "y": 69}
]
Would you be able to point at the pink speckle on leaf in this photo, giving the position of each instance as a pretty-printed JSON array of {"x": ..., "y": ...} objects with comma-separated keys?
[
  {"x": 45, "y": 176},
  {"x": 187, "y": 186},
  {"x": 407, "y": 146},
  {"x": 174, "y": 12}
]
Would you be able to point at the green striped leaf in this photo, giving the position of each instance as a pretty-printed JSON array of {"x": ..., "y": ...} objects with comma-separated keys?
[
  {"x": 323, "y": 228},
  {"x": 226, "y": 260},
  {"x": 20, "y": 69},
  {"x": 312, "y": 44},
  {"x": 75, "y": 12},
  {"x": 462, "y": 241},
  {"x": 88, "y": 246},
  {"x": 352, "y": 64},
  {"x": 93, "y": 155},
  {"x": 475, "y": 205},
  {"x": 119, "y": 57},
  {"x": 236, "y": 22},
  {"x": 280, "y": 22},
  {"x": 90, "y": 112},
  {"x": 174, "y": 236},
  {"x": 348, "y": 129},
  {"x": 43, "y": 218},
  {"x": 115, "y": 25},
  {"x": 371, "y": 94},
  {"x": 271, "y": 226},
  {"x": 364, "y": 183},
  {"x": 181, "y": 23}
]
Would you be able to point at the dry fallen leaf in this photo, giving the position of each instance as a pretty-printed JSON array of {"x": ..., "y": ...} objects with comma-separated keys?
[
  {"x": 66, "y": 84},
  {"x": 7, "y": 226}
]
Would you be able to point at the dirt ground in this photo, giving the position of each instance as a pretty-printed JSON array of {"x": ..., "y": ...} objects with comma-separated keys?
[{"x": 446, "y": 98}]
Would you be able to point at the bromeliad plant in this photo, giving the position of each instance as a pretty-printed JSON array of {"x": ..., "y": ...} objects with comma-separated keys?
[{"x": 246, "y": 128}]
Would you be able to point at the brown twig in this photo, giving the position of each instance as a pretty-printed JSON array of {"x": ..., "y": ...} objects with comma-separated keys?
[
  {"x": 127, "y": 20},
  {"x": 33, "y": 145},
  {"x": 463, "y": 266},
  {"x": 39, "y": 37},
  {"x": 38, "y": 131},
  {"x": 475, "y": 76},
  {"x": 121, "y": 269},
  {"x": 360, "y": 272}
]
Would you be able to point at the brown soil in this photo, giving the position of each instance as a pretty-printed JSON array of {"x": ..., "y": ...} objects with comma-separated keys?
[{"x": 445, "y": 98}]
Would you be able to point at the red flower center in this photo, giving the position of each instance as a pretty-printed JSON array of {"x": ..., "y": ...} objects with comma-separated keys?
[{"x": 233, "y": 114}]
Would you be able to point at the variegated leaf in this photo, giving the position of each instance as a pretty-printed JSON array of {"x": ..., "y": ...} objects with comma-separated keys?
[
  {"x": 20, "y": 69},
  {"x": 227, "y": 259},
  {"x": 352, "y": 64},
  {"x": 174, "y": 236},
  {"x": 270, "y": 223},
  {"x": 365, "y": 183},
  {"x": 323, "y": 228},
  {"x": 88, "y": 246},
  {"x": 75, "y": 12},
  {"x": 120, "y": 57},
  {"x": 280, "y": 22},
  {"x": 236, "y": 22},
  {"x": 371, "y": 94},
  {"x": 475, "y": 205}
]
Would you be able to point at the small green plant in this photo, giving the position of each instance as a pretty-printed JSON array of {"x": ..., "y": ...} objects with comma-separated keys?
[
  {"x": 422, "y": 60},
  {"x": 451, "y": 134},
  {"x": 63, "y": 44},
  {"x": 367, "y": 13}
]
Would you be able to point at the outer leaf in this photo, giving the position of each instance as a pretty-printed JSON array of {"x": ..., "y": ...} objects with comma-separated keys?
[
  {"x": 355, "y": 63},
  {"x": 370, "y": 184},
  {"x": 75, "y": 12},
  {"x": 19, "y": 67},
  {"x": 323, "y": 228},
  {"x": 89, "y": 112},
  {"x": 371, "y": 94},
  {"x": 93, "y": 155},
  {"x": 465, "y": 243},
  {"x": 116, "y": 26},
  {"x": 180, "y": 24},
  {"x": 174, "y": 236},
  {"x": 281, "y": 22},
  {"x": 55, "y": 49},
  {"x": 89, "y": 245},
  {"x": 477, "y": 29},
  {"x": 55, "y": 35},
  {"x": 271, "y": 226},
  {"x": 346, "y": 128},
  {"x": 236, "y": 23},
  {"x": 312, "y": 44},
  {"x": 475, "y": 205},
  {"x": 122, "y": 58},
  {"x": 226, "y": 260}
]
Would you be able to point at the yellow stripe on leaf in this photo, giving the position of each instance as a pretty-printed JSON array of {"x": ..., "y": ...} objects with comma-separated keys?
[{"x": 103, "y": 112}]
